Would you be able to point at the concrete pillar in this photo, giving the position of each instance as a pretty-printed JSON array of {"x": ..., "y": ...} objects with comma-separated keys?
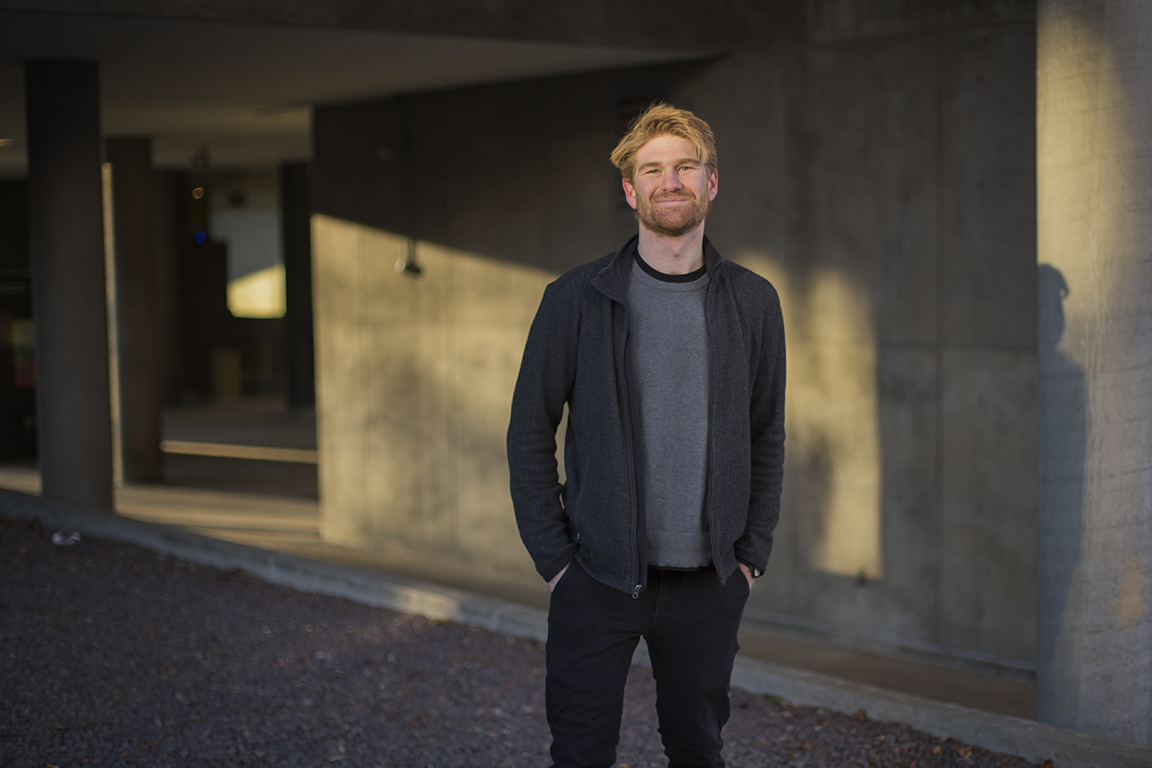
[
  {"x": 137, "y": 309},
  {"x": 66, "y": 237},
  {"x": 295, "y": 214},
  {"x": 1094, "y": 166},
  {"x": 170, "y": 230}
]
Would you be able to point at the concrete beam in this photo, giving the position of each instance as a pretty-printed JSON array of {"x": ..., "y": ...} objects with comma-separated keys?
[{"x": 659, "y": 24}]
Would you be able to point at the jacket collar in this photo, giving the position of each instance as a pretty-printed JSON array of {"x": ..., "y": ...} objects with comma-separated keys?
[{"x": 612, "y": 280}]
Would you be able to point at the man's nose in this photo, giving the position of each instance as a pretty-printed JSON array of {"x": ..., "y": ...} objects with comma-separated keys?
[{"x": 672, "y": 180}]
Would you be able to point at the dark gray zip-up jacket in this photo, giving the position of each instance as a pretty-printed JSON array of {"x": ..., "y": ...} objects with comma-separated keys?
[{"x": 578, "y": 353}]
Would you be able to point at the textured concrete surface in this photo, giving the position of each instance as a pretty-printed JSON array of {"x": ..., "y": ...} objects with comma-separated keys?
[
  {"x": 987, "y": 519},
  {"x": 1095, "y": 523}
]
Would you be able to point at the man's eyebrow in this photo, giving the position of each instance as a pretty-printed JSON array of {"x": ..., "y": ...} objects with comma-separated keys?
[{"x": 681, "y": 161}]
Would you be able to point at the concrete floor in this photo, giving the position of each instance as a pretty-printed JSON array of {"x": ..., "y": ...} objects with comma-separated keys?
[{"x": 272, "y": 505}]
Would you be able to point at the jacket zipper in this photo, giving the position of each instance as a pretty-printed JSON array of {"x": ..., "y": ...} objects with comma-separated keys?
[
  {"x": 711, "y": 419},
  {"x": 636, "y": 511}
]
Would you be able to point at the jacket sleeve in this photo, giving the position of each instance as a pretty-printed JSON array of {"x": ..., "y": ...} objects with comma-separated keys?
[
  {"x": 543, "y": 387},
  {"x": 767, "y": 433}
]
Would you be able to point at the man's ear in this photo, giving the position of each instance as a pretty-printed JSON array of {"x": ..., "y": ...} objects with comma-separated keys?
[
  {"x": 713, "y": 185},
  {"x": 629, "y": 192}
]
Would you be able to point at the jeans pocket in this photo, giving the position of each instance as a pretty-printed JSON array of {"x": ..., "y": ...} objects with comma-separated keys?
[
  {"x": 745, "y": 588},
  {"x": 566, "y": 576}
]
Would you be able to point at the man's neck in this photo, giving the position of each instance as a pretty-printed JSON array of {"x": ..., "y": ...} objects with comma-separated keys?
[{"x": 673, "y": 255}]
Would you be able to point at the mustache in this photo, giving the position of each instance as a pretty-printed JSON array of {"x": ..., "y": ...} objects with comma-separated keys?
[{"x": 684, "y": 195}]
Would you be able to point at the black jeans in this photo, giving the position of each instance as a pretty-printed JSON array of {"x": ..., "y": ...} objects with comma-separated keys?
[{"x": 689, "y": 620}]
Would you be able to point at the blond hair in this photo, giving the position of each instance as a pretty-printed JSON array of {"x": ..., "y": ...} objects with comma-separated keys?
[{"x": 664, "y": 120}]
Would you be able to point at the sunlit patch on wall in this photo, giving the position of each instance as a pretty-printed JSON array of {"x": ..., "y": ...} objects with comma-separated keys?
[
  {"x": 833, "y": 432},
  {"x": 259, "y": 294},
  {"x": 833, "y": 446},
  {"x": 244, "y": 215},
  {"x": 1134, "y": 596},
  {"x": 414, "y": 382}
]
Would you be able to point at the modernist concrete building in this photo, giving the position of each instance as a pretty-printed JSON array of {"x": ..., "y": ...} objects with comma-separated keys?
[{"x": 950, "y": 195}]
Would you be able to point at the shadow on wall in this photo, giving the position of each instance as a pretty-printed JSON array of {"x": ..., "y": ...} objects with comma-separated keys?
[{"x": 1064, "y": 427}]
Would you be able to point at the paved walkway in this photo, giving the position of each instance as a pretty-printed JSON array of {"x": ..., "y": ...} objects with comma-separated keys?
[
  {"x": 263, "y": 516},
  {"x": 112, "y": 654},
  {"x": 292, "y": 526},
  {"x": 277, "y": 539}
]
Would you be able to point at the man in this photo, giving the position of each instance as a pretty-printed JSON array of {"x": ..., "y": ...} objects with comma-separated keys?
[{"x": 670, "y": 360}]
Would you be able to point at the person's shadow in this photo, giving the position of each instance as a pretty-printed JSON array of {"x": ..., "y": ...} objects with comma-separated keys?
[{"x": 1060, "y": 512}]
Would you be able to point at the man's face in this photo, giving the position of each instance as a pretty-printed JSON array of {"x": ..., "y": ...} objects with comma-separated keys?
[{"x": 672, "y": 190}]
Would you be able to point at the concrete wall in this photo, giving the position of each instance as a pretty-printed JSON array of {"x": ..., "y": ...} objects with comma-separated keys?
[
  {"x": 884, "y": 183},
  {"x": 910, "y": 304}
]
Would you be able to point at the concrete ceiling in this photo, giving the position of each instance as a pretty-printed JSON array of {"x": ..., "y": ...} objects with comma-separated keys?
[{"x": 245, "y": 90}]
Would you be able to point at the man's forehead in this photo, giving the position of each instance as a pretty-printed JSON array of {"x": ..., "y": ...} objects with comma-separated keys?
[{"x": 667, "y": 145}]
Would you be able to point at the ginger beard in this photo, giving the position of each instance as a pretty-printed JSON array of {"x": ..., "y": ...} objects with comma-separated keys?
[{"x": 672, "y": 220}]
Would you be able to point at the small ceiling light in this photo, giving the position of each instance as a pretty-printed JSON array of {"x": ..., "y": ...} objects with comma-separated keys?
[
  {"x": 408, "y": 265},
  {"x": 198, "y": 193}
]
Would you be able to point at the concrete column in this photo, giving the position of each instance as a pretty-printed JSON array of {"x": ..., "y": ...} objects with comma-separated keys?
[
  {"x": 66, "y": 237},
  {"x": 170, "y": 229},
  {"x": 295, "y": 214},
  {"x": 1094, "y": 166},
  {"x": 137, "y": 309}
]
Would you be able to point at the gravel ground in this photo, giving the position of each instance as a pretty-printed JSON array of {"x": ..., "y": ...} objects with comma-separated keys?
[{"x": 115, "y": 655}]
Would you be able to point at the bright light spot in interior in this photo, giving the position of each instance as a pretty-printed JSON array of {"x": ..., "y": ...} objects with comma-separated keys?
[
  {"x": 198, "y": 193},
  {"x": 259, "y": 294}
]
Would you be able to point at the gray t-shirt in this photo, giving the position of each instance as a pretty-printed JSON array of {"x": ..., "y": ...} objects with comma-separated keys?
[{"x": 670, "y": 359}]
